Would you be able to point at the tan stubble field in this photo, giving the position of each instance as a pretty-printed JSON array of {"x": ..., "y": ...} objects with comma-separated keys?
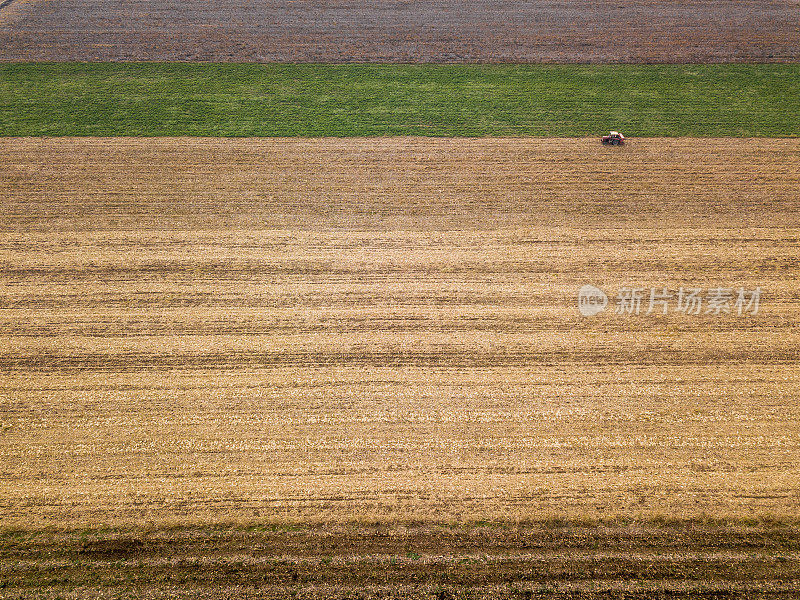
[{"x": 385, "y": 329}]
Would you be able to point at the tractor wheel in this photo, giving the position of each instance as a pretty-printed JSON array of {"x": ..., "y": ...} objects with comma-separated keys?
[{"x": 614, "y": 142}]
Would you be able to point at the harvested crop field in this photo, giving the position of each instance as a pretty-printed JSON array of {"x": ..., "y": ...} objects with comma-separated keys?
[
  {"x": 204, "y": 330},
  {"x": 401, "y": 31}
]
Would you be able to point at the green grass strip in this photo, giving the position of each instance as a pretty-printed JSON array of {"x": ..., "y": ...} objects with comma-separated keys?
[{"x": 229, "y": 100}]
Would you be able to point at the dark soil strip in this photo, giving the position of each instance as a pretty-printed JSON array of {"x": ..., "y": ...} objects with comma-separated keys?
[
  {"x": 553, "y": 560},
  {"x": 446, "y": 31}
]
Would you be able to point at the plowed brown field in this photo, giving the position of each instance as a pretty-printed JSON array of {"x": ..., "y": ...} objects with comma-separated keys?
[
  {"x": 200, "y": 328},
  {"x": 401, "y": 31}
]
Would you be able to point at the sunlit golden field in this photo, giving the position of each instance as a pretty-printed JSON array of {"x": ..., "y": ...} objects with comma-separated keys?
[{"x": 210, "y": 330}]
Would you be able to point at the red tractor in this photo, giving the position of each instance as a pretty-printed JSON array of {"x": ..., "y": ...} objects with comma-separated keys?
[{"x": 615, "y": 138}]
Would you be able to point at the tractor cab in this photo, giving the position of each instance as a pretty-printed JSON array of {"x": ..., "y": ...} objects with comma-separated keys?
[{"x": 614, "y": 138}]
